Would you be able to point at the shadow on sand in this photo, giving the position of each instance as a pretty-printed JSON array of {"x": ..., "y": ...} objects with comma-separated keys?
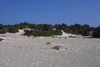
[{"x": 90, "y": 37}]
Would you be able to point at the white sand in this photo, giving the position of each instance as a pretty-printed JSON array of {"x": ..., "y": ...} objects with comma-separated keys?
[{"x": 23, "y": 51}]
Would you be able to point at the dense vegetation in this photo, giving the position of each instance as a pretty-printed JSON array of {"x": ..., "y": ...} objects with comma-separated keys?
[
  {"x": 8, "y": 28},
  {"x": 29, "y": 32},
  {"x": 40, "y": 29},
  {"x": 57, "y": 32},
  {"x": 43, "y": 33},
  {"x": 96, "y": 32}
]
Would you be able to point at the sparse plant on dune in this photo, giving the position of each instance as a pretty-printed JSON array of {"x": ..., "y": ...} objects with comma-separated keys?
[
  {"x": 1, "y": 39},
  {"x": 3, "y": 36},
  {"x": 59, "y": 37},
  {"x": 65, "y": 38},
  {"x": 29, "y": 32},
  {"x": 53, "y": 37},
  {"x": 48, "y": 43},
  {"x": 57, "y": 47}
]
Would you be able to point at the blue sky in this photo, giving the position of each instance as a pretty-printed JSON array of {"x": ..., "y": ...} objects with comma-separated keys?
[{"x": 50, "y": 12}]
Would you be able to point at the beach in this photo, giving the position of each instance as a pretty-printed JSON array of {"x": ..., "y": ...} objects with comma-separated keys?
[{"x": 17, "y": 50}]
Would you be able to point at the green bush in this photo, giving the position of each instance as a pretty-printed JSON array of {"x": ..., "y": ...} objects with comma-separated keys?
[
  {"x": 2, "y": 31},
  {"x": 43, "y": 33},
  {"x": 29, "y": 32},
  {"x": 13, "y": 30},
  {"x": 57, "y": 32},
  {"x": 96, "y": 32}
]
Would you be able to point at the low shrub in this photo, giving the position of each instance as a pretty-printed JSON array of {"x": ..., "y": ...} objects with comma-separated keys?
[
  {"x": 57, "y": 32},
  {"x": 96, "y": 32},
  {"x": 43, "y": 33},
  {"x": 29, "y": 32},
  {"x": 13, "y": 30},
  {"x": 2, "y": 31}
]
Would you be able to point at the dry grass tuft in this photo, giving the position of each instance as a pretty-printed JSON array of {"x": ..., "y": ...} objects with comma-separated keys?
[
  {"x": 59, "y": 37},
  {"x": 3, "y": 36},
  {"x": 57, "y": 47},
  {"x": 54, "y": 37},
  {"x": 1, "y": 39},
  {"x": 48, "y": 43},
  {"x": 65, "y": 38}
]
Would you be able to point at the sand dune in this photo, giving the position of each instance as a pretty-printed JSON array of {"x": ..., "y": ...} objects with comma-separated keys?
[{"x": 22, "y": 51}]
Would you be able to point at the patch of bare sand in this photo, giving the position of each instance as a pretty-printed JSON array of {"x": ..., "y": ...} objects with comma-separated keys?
[{"x": 23, "y": 51}]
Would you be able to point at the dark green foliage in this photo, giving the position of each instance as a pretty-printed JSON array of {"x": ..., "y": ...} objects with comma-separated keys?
[
  {"x": 43, "y": 33},
  {"x": 17, "y": 26},
  {"x": 84, "y": 30},
  {"x": 13, "y": 30},
  {"x": 92, "y": 28},
  {"x": 1, "y": 26},
  {"x": 7, "y": 27},
  {"x": 32, "y": 26},
  {"x": 80, "y": 29},
  {"x": 57, "y": 26},
  {"x": 57, "y": 32},
  {"x": 47, "y": 27},
  {"x": 74, "y": 29},
  {"x": 61, "y": 26},
  {"x": 24, "y": 25},
  {"x": 21, "y": 25},
  {"x": 68, "y": 30},
  {"x": 96, "y": 32},
  {"x": 2, "y": 31},
  {"x": 29, "y": 32},
  {"x": 39, "y": 27}
]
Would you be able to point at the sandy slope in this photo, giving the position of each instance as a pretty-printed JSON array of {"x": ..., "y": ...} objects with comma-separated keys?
[{"x": 23, "y": 51}]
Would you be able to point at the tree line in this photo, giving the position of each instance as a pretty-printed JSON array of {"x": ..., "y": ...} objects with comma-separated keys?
[{"x": 78, "y": 29}]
